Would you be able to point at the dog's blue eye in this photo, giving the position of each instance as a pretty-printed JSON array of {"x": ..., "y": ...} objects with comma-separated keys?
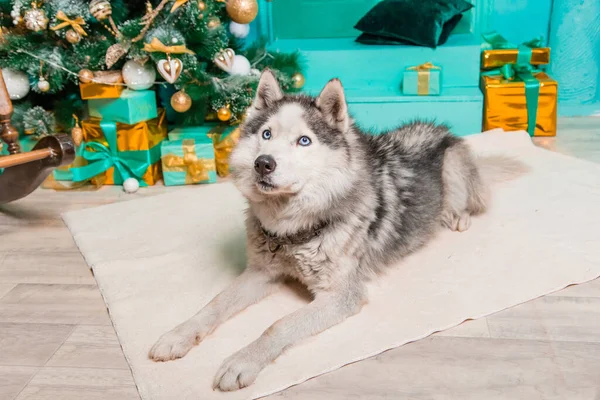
[
  {"x": 304, "y": 141},
  {"x": 266, "y": 134}
]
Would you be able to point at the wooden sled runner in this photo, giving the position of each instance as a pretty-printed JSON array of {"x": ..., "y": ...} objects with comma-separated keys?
[{"x": 24, "y": 172}]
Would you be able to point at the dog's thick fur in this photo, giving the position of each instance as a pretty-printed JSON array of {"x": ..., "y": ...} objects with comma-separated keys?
[{"x": 379, "y": 198}]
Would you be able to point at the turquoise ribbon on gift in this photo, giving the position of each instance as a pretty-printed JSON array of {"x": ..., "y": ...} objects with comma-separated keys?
[
  {"x": 522, "y": 70},
  {"x": 128, "y": 164}
]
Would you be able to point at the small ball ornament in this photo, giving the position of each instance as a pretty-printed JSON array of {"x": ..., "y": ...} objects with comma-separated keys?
[
  {"x": 43, "y": 85},
  {"x": 181, "y": 101},
  {"x": 138, "y": 76},
  {"x": 35, "y": 20},
  {"x": 242, "y": 11},
  {"x": 85, "y": 76},
  {"x": 298, "y": 80},
  {"x": 100, "y": 9},
  {"x": 240, "y": 66},
  {"x": 131, "y": 185},
  {"x": 17, "y": 83},
  {"x": 214, "y": 22},
  {"x": 72, "y": 36},
  {"x": 201, "y": 6},
  {"x": 240, "y": 31},
  {"x": 224, "y": 113}
]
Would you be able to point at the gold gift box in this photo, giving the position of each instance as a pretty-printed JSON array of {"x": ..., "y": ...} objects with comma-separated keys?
[
  {"x": 505, "y": 107},
  {"x": 93, "y": 90},
  {"x": 500, "y": 57},
  {"x": 141, "y": 136}
]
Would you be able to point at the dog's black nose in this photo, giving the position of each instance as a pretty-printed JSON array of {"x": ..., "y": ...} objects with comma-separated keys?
[{"x": 264, "y": 165}]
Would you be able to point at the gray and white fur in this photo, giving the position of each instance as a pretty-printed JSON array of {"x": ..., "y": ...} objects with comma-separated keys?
[{"x": 346, "y": 204}]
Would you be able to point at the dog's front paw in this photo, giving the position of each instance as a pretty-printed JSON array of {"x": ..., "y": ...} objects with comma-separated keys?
[
  {"x": 237, "y": 372},
  {"x": 172, "y": 345}
]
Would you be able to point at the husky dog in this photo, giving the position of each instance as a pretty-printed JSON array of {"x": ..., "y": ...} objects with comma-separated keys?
[{"x": 331, "y": 207}]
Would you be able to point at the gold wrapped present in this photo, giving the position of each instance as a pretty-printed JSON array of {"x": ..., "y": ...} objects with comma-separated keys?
[
  {"x": 116, "y": 151},
  {"x": 104, "y": 85},
  {"x": 224, "y": 144},
  {"x": 498, "y": 52},
  {"x": 506, "y": 105}
]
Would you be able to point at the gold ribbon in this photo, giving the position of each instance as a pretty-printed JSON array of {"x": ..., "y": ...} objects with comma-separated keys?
[
  {"x": 73, "y": 23},
  {"x": 423, "y": 72},
  {"x": 156, "y": 45},
  {"x": 196, "y": 169},
  {"x": 223, "y": 149}
]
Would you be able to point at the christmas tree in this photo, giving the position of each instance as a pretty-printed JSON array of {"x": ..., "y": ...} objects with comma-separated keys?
[{"x": 48, "y": 47}]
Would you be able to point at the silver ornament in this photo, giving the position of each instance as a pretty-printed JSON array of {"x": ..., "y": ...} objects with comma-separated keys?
[
  {"x": 43, "y": 85},
  {"x": 17, "y": 83},
  {"x": 35, "y": 20},
  {"x": 138, "y": 76}
]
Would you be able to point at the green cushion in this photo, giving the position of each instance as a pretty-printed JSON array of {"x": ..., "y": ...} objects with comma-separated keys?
[{"x": 421, "y": 22}]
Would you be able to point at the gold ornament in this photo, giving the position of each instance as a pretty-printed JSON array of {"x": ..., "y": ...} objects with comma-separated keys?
[
  {"x": 85, "y": 76},
  {"x": 77, "y": 132},
  {"x": 224, "y": 113},
  {"x": 72, "y": 36},
  {"x": 242, "y": 11},
  {"x": 114, "y": 54},
  {"x": 156, "y": 45},
  {"x": 181, "y": 101},
  {"x": 43, "y": 84},
  {"x": 224, "y": 59},
  {"x": 35, "y": 19},
  {"x": 75, "y": 24},
  {"x": 298, "y": 80},
  {"x": 201, "y": 6},
  {"x": 100, "y": 9},
  {"x": 214, "y": 22},
  {"x": 169, "y": 69}
]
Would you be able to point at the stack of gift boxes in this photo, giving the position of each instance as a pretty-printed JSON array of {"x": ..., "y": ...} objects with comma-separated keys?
[
  {"x": 125, "y": 136},
  {"x": 518, "y": 94}
]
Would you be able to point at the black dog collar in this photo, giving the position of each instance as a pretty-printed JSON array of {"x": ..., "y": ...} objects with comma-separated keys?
[{"x": 274, "y": 242}]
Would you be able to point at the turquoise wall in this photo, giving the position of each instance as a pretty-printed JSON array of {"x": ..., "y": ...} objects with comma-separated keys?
[{"x": 520, "y": 20}]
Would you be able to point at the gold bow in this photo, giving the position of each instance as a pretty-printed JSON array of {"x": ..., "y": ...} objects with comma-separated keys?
[
  {"x": 156, "y": 45},
  {"x": 196, "y": 169},
  {"x": 424, "y": 67},
  {"x": 73, "y": 23},
  {"x": 223, "y": 148}
]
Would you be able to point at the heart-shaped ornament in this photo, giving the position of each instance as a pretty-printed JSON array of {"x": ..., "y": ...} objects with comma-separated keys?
[{"x": 170, "y": 69}]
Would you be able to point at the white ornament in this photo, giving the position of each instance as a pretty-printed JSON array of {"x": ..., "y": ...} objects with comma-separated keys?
[
  {"x": 174, "y": 40},
  {"x": 241, "y": 66},
  {"x": 170, "y": 69},
  {"x": 131, "y": 185},
  {"x": 239, "y": 30},
  {"x": 17, "y": 83},
  {"x": 138, "y": 76},
  {"x": 43, "y": 84}
]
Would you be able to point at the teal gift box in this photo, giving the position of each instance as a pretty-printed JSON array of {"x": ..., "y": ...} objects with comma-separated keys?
[
  {"x": 132, "y": 107},
  {"x": 422, "y": 80},
  {"x": 188, "y": 161}
]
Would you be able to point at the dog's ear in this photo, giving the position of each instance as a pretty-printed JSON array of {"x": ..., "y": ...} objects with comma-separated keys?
[
  {"x": 268, "y": 91},
  {"x": 332, "y": 104}
]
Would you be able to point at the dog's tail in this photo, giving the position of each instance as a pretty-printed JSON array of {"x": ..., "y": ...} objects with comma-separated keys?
[{"x": 495, "y": 169}]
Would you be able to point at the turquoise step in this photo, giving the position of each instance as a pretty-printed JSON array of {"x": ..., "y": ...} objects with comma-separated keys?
[
  {"x": 377, "y": 110},
  {"x": 358, "y": 65}
]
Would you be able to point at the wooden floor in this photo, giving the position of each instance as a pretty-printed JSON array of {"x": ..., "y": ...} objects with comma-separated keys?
[{"x": 57, "y": 341}]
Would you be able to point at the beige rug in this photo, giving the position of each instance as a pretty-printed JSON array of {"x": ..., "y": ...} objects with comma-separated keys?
[{"x": 158, "y": 260}]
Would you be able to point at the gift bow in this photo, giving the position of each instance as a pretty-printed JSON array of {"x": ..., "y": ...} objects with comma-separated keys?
[
  {"x": 73, "y": 23},
  {"x": 424, "y": 67},
  {"x": 156, "y": 45},
  {"x": 101, "y": 158},
  {"x": 196, "y": 169}
]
